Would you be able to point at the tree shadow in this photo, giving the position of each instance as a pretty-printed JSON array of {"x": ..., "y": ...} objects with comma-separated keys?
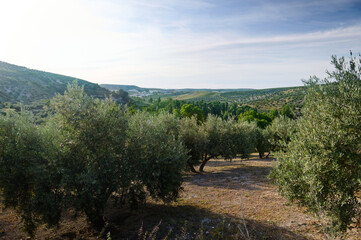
[
  {"x": 189, "y": 222},
  {"x": 234, "y": 176}
]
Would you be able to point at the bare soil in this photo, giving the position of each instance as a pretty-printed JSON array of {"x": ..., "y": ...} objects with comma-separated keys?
[{"x": 231, "y": 200}]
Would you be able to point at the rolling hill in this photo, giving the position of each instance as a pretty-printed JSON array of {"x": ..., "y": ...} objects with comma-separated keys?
[
  {"x": 21, "y": 84},
  {"x": 261, "y": 98}
]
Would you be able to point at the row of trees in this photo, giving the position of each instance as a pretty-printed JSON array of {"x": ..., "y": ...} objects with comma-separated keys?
[
  {"x": 89, "y": 150},
  {"x": 202, "y": 109},
  {"x": 86, "y": 152}
]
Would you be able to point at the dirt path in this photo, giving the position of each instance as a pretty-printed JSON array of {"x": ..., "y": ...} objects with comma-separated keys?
[
  {"x": 241, "y": 189},
  {"x": 226, "y": 202}
]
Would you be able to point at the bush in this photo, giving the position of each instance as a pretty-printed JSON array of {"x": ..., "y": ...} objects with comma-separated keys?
[{"x": 321, "y": 168}]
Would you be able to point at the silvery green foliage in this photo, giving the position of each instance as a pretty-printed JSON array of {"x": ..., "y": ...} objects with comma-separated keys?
[
  {"x": 279, "y": 133},
  {"x": 263, "y": 143},
  {"x": 28, "y": 174},
  {"x": 84, "y": 154},
  {"x": 321, "y": 168},
  {"x": 156, "y": 157},
  {"x": 91, "y": 139},
  {"x": 193, "y": 138},
  {"x": 227, "y": 139}
]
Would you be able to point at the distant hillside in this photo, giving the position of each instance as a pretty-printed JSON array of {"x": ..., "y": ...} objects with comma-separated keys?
[
  {"x": 135, "y": 91},
  {"x": 261, "y": 98},
  {"x": 20, "y": 84},
  {"x": 115, "y": 87}
]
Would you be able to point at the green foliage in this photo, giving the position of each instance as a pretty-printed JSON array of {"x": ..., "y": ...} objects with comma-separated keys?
[
  {"x": 279, "y": 133},
  {"x": 92, "y": 140},
  {"x": 286, "y": 111},
  {"x": 227, "y": 139},
  {"x": 84, "y": 154},
  {"x": 261, "y": 119},
  {"x": 322, "y": 166},
  {"x": 28, "y": 176},
  {"x": 263, "y": 143},
  {"x": 193, "y": 138},
  {"x": 189, "y": 110},
  {"x": 273, "y": 114},
  {"x": 20, "y": 84},
  {"x": 155, "y": 156}
]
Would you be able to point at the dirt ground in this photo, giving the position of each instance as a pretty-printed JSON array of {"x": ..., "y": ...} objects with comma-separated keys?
[{"x": 231, "y": 200}]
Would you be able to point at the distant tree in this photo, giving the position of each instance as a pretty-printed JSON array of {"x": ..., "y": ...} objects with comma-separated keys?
[
  {"x": 287, "y": 111},
  {"x": 280, "y": 132},
  {"x": 189, "y": 110},
  {"x": 261, "y": 119},
  {"x": 226, "y": 139},
  {"x": 262, "y": 141},
  {"x": 322, "y": 164},
  {"x": 273, "y": 114},
  {"x": 194, "y": 139}
]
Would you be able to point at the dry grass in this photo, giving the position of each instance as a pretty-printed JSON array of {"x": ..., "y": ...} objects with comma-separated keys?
[{"x": 212, "y": 205}]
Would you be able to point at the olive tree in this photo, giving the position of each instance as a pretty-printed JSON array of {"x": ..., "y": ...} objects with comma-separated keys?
[
  {"x": 155, "y": 157},
  {"x": 194, "y": 140},
  {"x": 279, "y": 133},
  {"x": 227, "y": 139},
  {"x": 322, "y": 164},
  {"x": 92, "y": 137},
  {"x": 263, "y": 143},
  {"x": 29, "y": 179}
]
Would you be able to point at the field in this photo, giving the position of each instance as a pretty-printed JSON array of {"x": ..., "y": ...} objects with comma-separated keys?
[{"x": 226, "y": 202}]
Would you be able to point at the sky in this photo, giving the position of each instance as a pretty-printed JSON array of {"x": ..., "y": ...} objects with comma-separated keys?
[{"x": 181, "y": 43}]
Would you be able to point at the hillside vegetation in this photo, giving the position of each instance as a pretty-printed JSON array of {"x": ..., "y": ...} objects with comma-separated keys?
[
  {"x": 21, "y": 84},
  {"x": 264, "y": 99}
]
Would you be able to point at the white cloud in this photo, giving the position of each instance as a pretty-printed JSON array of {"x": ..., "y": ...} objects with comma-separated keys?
[{"x": 105, "y": 42}]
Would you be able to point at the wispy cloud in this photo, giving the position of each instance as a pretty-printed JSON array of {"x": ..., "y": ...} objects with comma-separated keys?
[{"x": 180, "y": 43}]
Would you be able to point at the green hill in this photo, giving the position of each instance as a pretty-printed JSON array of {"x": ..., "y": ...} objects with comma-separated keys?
[
  {"x": 21, "y": 84},
  {"x": 269, "y": 98},
  {"x": 260, "y": 98}
]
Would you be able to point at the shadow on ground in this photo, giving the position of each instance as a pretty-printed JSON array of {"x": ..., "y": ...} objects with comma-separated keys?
[
  {"x": 190, "y": 222},
  {"x": 239, "y": 176}
]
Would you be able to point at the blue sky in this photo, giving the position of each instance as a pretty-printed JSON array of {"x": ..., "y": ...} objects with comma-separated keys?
[{"x": 181, "y": 43}]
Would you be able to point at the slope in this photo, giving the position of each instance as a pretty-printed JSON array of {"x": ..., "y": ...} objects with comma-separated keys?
[{"x": 21, "y": 84}]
